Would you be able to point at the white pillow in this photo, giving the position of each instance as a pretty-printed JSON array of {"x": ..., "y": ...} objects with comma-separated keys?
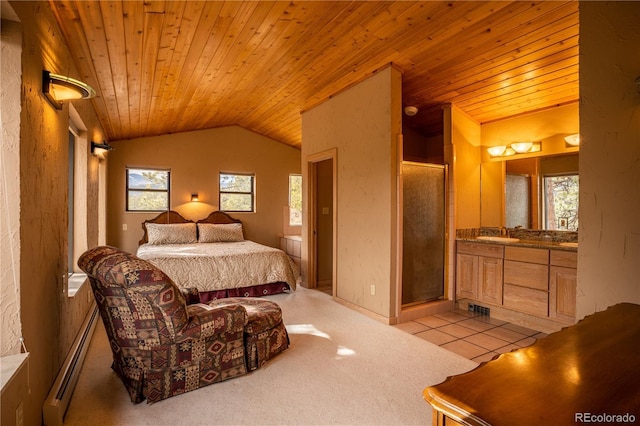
[
  {"x": 219, "y": 233},
  {"x": 173, "y": 233}
]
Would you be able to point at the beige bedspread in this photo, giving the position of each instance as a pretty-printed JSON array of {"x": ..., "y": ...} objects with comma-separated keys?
[{"x": 219, "y": 266}]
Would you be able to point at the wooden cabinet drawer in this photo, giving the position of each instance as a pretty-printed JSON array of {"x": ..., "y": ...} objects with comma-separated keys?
[
  {"x": 527, "y": 254},
  {"x": 568, "y": 259},
  {"x": 527, "y": 300},
  {"x": 480, "y": 249},
  {"x": 524, "y": 274}
]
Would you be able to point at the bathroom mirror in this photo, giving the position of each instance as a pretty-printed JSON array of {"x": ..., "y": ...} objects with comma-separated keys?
[{"x": 533, "y": 193}]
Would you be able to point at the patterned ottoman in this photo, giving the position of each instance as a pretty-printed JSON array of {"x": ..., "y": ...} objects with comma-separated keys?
[{"x": 265, "y": 335}]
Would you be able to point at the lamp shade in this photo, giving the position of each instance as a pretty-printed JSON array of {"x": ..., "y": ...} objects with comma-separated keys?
[
  {"x": 58, "y": 88},
  {"x": 573, "y": 140},
  {"x": 496, "y": 151},
  {"x": 521, "y": 147}
]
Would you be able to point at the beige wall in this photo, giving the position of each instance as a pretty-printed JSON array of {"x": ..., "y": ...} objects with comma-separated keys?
[
  {"x": 50, "y": 320},
  {"x": 609, "y": 254},
  {"x": 464, "y": 137},
  {"x": 537, "y": 126},
  {"x": 363, "y": 124},
  {"x": 195, "y": 159},
  {"x": 10, "y": 188}
]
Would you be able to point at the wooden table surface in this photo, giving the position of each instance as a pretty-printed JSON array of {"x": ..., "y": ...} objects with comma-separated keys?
[{"x": 591, "y": 368}]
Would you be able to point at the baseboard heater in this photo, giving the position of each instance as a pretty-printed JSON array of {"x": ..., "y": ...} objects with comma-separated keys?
[{"x": 59, "y": 397}]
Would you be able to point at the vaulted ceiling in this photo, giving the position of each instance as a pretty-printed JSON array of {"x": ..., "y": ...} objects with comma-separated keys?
[{"x": 172, "y": 66}]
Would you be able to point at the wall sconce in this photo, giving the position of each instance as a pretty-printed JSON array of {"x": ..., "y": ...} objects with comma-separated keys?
[
  {"x": 572, "y": 140},
  {"x": 194, "y": 197},
  {"x": 57, "y": 88},
  {"x": 100, "y": 149},
  {"x": 514, "y": 148}
]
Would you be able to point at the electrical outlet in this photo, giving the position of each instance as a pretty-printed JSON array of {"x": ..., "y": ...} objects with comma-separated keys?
[
  {"x": 124, "y": 226},
  {"x": 373, "y": 290}
]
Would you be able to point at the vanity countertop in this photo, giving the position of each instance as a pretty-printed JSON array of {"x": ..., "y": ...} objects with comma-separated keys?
[{"x": 554, "y": 245}]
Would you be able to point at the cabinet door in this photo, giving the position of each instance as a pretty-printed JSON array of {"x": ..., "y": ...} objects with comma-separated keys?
[
  {"x": 490, "y": 280},
  {"x": 466, "y": 276},
  {"x": 562, "y": 293}
]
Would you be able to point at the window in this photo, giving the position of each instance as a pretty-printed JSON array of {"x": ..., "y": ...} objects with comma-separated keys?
[
  {"x": 237, "y": 192},
  {"x": 70, "y": 203},
  {"x": 561, "y": 202},
  {"x": 295, "y": 200},
  {"x": 147, "y": 190},
  {"x": 77, "y": 190},
  {"x": 77, "y": 235}
]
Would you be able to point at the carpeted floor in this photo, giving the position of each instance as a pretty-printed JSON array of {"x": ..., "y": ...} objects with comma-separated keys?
[{"x": 342, "y": 368}]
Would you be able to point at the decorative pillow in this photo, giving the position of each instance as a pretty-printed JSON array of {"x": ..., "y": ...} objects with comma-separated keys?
[
  {"x": 219, "y": 233},
  {"x": 174, "y": 233}
]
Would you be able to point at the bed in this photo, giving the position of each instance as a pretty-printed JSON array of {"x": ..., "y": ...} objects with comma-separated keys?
[{"x": 213, "y": 256}]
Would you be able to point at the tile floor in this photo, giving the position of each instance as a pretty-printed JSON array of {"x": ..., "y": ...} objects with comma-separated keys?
[{"x": 473, "y": 336}]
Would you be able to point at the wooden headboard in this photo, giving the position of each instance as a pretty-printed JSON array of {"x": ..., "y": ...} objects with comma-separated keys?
[
  {"x": 220, "y": 218},
  {"x": 172, "y": 216},
  {"x": 164, "y": 218}
]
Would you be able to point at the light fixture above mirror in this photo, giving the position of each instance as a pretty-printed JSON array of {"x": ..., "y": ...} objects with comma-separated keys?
[
  {"x": 496, "y": 151},
  {"x": 514, "y": 148},
  {"x": 572, "y": 140},
  {"x": 521, "y": 147}
]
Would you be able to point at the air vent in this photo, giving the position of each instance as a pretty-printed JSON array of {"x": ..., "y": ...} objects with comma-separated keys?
[{"x": 480, "y": 310}]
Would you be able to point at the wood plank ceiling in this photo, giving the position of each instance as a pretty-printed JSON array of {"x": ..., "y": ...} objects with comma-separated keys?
[{"x": 172, "y": 66}]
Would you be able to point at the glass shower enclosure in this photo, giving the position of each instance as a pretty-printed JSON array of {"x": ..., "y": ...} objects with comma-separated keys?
[{"x": 424, "y": 225}]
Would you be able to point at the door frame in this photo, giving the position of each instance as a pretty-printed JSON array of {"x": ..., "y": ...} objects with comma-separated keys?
[{"x": 311, "y": 241}]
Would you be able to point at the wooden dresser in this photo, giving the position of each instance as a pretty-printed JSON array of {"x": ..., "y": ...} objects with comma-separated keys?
[{"x": 589, "y": 369}]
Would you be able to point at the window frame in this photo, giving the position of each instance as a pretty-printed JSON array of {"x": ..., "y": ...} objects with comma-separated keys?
[
  {"x": 71, "y": 210},
  {"x": 251, "y": 193},
  {"x": 296, "y": 175},
  {"x": 127, "y": 189},
  {"x": 545, "y": 200}
]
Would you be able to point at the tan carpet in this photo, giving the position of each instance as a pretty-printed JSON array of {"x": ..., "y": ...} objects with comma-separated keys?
[{"x": 342, "y": 368}]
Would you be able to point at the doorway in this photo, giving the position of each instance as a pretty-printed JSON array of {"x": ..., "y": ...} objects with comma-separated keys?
[{"x": 321, "y": 232}]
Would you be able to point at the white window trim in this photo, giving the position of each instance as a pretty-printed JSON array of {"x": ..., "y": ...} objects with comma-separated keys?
[{"x": 75, "y": 279}]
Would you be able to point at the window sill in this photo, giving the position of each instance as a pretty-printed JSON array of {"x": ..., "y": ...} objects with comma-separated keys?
[
  {"x": 75, "y": 283},
  {"x": 10, "y": 366}
]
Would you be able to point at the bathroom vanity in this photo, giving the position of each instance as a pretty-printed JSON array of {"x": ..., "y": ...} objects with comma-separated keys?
[{"x": 518, "y": 279}]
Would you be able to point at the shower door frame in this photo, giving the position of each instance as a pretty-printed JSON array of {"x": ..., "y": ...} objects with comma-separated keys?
[{"x": 400, "y": 248}]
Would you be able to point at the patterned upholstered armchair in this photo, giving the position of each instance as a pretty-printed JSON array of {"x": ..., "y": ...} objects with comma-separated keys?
[{"x": 161, "y": 345}]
